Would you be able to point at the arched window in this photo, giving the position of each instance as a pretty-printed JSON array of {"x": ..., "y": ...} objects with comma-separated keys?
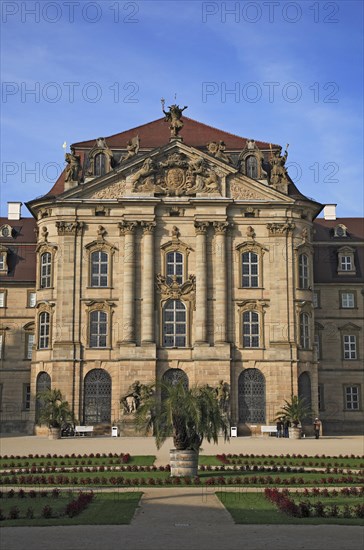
[
  {"x": 43, "y": 330},
  {"x": 43, "y": 384},
  {"x": 99, "y": 164},
  {"x": 251, "y": 396},
  {"x": 250, "y": 269},
  {"x": 303, "y": 272},
  {"x": 99, "y": 269},
  {"x": 173, "y": 376},
  {"x": 45, "y": 270},
  {"x": 174, "y": 265},
  {"x": 304, "y": 392},
  {"x": 174, "y": 324},
  {"x": 250, "y": 329},
  {"x": 98, "y": 329},
  {"x": 304, "y": 330},
  {"x": 252, "y": 167},
  {"x": 97, "y": 400}
]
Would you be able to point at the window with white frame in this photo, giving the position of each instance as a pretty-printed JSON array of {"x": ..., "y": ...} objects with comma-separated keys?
[
  {"x": 174, "y": 324},
  {"x": 303, "y": 271},
  {"x": 31, "y": 299},
  {"x": 251, "y": 329},
  {"x": 45, "y": 270},
  {"x": 350, "y": 351},
  {"x": 346, "y": 263},
  {"x": 29, "y": 343},
  {"x": 174, "y": 264},
  {"x": 250, "y": 270},
  {"x": 98, "y": 329},
  {"x": 305, "y": 331},
  {"x": 3, "y": 265},
  {"x": 347, "y": 300},
  {"x": 44, "y": 330},
  {"x": 26, "y": 397},
  {"x": 99, "y": 268},
  {"x": 2, "y": 298},
  {"x": 352, "y": 398}
]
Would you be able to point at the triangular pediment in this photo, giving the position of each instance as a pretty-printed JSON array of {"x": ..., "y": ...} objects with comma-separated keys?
[{"x": 175, "y": 170}]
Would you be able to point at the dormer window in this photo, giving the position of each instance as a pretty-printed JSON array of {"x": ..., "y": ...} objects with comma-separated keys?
[
  {"x": 340, "y": 231},
  {"x": 3, "y": 260},
  {"x": 99, "y": 164},
  {"x": 252, "y": 167},
  {"x": 345, "y": 261}
]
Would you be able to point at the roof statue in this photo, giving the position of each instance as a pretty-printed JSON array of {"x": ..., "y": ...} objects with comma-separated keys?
[
  {"x": 278, "y": 172},
  {"x": 174, "y": 117},
  {"x": 73, "y": 167},
  {"x": 132, "y": 148}
]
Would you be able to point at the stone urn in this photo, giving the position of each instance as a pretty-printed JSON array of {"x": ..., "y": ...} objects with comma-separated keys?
[
  {"x": 183, "y": 463},
  {"x": 54, "y": 433},
  {"x": 295, "y": 432}
]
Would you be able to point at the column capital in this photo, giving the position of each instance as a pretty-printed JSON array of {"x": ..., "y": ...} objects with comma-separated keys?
[
  {"x": 201, "y": 227},
  {"x": 221, "y": 227},
  {"x": 127, "y": 227},
  {"x": 148, "y": 227}
]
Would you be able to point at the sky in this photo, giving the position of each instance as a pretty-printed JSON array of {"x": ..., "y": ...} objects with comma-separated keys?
[{"x": 279, "y": 72}]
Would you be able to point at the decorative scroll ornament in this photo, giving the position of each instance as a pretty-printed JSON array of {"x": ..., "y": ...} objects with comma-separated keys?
[
  {"x": 174, "y": 290},
  {"x": 127, "y": 227},
  {"x": 175, "y": 176},
  {"x": 68, "y": 228},
  {"x": 239, "y": 192},
  {"x": 280, "y": 229},
  {"x": 201, "y": 227},
  {"x": 221, "y": 227},
  {"x": 148, "y": 227},
  {"x": 112, "y": 192}
]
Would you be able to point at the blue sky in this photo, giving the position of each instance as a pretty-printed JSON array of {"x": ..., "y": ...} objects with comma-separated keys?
[{"x": 281, "y": 72}]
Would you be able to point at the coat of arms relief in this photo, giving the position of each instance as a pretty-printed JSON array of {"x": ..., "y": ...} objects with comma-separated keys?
[{"x": 175, "y": 176}]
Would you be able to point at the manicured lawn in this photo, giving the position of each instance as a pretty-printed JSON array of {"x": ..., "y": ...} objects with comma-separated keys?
[
  {"x": 285, "y": 460},
  {"x": 79, "y": 460},
  {"x": 254, "y": 508},
  {"x": 106, "y": 509}
]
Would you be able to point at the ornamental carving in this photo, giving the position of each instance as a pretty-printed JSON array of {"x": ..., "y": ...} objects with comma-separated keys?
[
  {"x": 174, "y": 290},
  {"x": 280, "y": 229},
  {"x": 217, "y": 150},
  {"x": 175, "y": 176},
  {"x": 201, "y": 227},
  {"x": 68, "y": 228},
  {"x": 112, "y": 192},
  {"x": 220, "y": 227},
  {"x": 238, "y": 192},
  {"x": 127, "y": 227},
  {"x": 247, "y": 305},
  {"x": 148, "y": 227}
]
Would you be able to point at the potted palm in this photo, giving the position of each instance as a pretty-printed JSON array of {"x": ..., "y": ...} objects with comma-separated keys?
[
  {"x": 189, "y": 416},
  {"x": 295, "y": 410},
  {"x": 54, "y": 411}
]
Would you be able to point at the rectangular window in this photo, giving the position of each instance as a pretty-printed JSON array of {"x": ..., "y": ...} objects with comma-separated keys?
[
  {"x": 45, "y": 270},
  {"x": 99, "y": 269},
  {"x": 304, "y": 281},
  {"x": 43, "y": 342},
  {"x": 2, "y": 298},
  {"x": 174, "y": 267},
  {"x": 321, "y": 396},
  {"x": 250, "y": 270},
  {"x": 29, "y": 342},
  {"x": 1, "y": 346},
  {"x": 316, "y": 299},
  {"x": 3, "y": 266},
  {"x": 98, "y": 329},
  {"x": 304, "y": 331},
  {"x": 31, "y": 299},
  {"x": 349, "y": 346},
  {"x": 352, "y": 398},
  {"x": 317, "y": 346},
  {"x": 26, "y": 397},
  {"x": 250, "y": 329},
  {"x": 346, "y": 264},
  {"x": 347, "y": 300}
]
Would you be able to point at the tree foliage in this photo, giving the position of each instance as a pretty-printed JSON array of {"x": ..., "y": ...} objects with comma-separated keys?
[
  {"x": 54, "y": 410},
  {"x": 296, "y": 410}
]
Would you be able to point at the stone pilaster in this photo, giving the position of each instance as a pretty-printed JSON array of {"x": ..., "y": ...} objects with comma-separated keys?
[
  {"x": 201, "y": 284},
  {"x": 148, "y": 283},
  {"x": 220, "y": 282},
  {"x": 128, "y": 230}
]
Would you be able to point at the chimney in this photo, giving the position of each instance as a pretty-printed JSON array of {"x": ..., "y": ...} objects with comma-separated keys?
[
  {"x": 14, "y": 210},
  {"x": 330, "y": 212}
]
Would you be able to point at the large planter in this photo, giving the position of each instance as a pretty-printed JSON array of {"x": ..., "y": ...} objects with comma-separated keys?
[
  {"x": 54, "y": 433},
  {"x": 183, "y": 463},
  {"x": 295, "y": 432}
]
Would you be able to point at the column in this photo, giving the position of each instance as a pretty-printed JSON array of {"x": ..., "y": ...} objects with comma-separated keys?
[
  {"x": 148, "y": 283},
  {"x": 128, "y": 230},
  {"x": 220, "y": 282},
  {"x": 201, "y": 283}
]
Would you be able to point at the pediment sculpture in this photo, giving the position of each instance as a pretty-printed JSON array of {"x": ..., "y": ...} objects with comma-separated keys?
[
  {"x": 175, "y": 176},
  {"x": 174, "y": 290}
]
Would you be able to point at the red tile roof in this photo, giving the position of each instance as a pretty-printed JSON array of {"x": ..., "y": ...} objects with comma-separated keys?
[{"x": 21, "y": 246}]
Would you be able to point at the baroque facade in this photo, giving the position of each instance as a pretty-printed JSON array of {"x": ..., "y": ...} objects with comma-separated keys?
[{"x": 176, "y": 250}]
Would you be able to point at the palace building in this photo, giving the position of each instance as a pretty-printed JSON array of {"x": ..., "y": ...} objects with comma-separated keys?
[{"x": 175, "y": 250}]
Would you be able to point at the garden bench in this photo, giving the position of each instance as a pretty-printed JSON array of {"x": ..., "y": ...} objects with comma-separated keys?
[
  {"x": 268, "y": 429},
  {"x": 83, "y": 430}
]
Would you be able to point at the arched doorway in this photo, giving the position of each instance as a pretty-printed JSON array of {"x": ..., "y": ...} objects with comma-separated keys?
[
  {"x": 304, "y": 391},
  {"x": 251, "y": 397},
  {"x": 43, "y": 384},
  {"x": 97, "y": 397}
]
